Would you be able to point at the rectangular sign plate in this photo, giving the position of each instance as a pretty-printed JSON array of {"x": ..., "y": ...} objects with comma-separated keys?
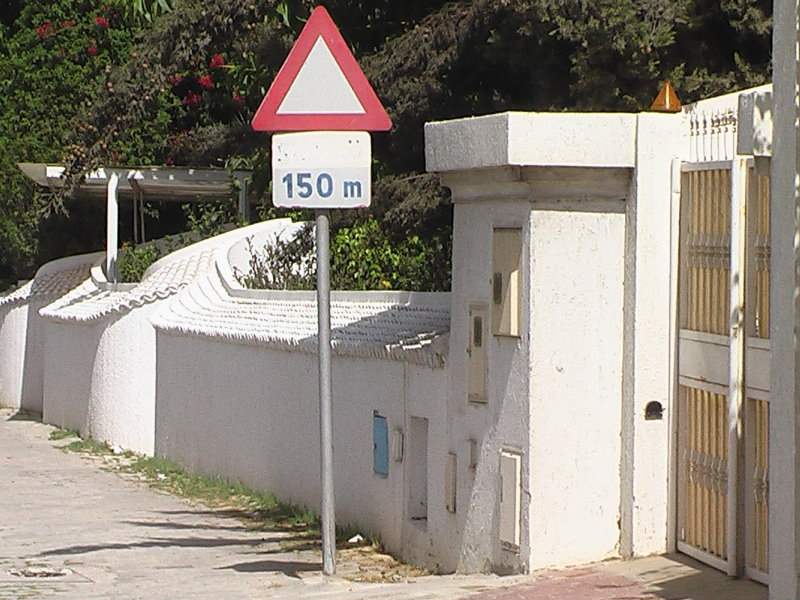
[{"x": 322, "y": 169}]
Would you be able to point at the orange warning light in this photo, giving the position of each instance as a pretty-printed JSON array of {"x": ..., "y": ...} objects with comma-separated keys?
[{"x": 667, "y": 100}]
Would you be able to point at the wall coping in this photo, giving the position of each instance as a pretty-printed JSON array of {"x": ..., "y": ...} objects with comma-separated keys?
[{"x": 531, "y": 139}]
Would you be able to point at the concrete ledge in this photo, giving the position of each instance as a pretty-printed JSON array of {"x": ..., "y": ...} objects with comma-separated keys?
[
  {"x": 531, "y": 139},
  {"x": 539, "y": 184}
]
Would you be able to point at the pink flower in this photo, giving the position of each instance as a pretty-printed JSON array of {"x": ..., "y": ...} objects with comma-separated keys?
[
  {"x": 44, "y": 30},
  {"x": 91, "y": 50},
  {"x": 217, "y": 61},
  {"x": 69, "y": 24},
  {"x": 176, "y": 80},
  {"x": 206, "y": 82},
  {"x": 192, "y": 99},
  {"x": 238, "y": 100},
  {"x": 101, "y": 22}
]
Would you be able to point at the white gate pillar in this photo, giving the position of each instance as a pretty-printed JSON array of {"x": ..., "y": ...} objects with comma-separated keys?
[{"x": 785, "y": 372}]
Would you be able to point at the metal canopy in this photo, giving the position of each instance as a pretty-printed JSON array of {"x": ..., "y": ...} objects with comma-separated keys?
[
  {"x": 184, "y": 184},
  {"x": 140, "y": 184}
]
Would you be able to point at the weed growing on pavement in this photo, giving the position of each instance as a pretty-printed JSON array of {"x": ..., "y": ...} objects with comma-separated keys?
[
  {"x": 216, "y": 491},
  {"x": 62, "y": 434},
  {"x": 88, "y": 446},
  {"x": 363, "y": 560}
]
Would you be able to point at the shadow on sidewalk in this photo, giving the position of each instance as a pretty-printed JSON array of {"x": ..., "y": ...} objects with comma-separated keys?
[
  {"x": 163, "y": 542},
  {"x": 691, "y": 580},
  {"x": 288, "y": 568},
  {"x": 25, "y": 415}
]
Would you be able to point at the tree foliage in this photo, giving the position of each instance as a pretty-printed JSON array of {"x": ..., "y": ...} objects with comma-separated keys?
[
  {"x": 190, "y": 86},
  {"x": 53, "y": 55}
]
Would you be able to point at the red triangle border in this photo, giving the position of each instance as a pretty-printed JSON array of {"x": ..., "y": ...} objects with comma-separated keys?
[{"x": 320, "y": 24}]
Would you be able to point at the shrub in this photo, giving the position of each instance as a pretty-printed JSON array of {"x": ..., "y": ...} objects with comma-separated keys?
[
  {"x": 133, "y": 261},
  {"x": 281, "y": 264},
  {"x": 205, "y": 221},
  {"x": 363, "y": 257}
]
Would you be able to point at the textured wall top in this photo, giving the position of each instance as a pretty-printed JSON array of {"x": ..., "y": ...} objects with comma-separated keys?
[
  {"x": 208, "y": 301},
  {"x": 409, "y": 331},
  {"x": 48, "y": 285},
  {"x": 95, "y": 299},
  {"x": 404, "y": 326}
]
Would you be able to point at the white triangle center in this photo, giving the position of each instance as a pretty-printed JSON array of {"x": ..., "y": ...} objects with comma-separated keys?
[{"x": 320, "y": 87}]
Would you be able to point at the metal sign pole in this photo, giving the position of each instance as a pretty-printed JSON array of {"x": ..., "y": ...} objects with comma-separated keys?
[
  {"x": 325, "y": 404},
  {"x": 322, "y": 159}
]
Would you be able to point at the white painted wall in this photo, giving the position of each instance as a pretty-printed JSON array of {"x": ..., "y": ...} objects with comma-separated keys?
[
  {"x": 246, "y": 407},
  {"x": 13, "y": 342},
  {"x": 561, "y": 394},
  {"x": 21, "y": 334},
  {"x": 503, "y": 421},
  {"x": 69, "y": 359},
  {"x": 569, "y": 394},
  {"x": 100, "y": 376},
  {"x": 578, "y": 257},
  {"x": 649, "y": 346},
  {"x": 252, "y": 414}
]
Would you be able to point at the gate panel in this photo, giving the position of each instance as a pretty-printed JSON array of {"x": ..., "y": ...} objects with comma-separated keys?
[
  {"x": 758, "y": 263},
  {"x": 756, "y": 496},
  {"x": 757, "y": 500},
  {"x": 704, "y": 311},
  {"x": 705, "y": 462},
  {"x": 707, "y": 250},
  {"x": 706, "y": 354}
]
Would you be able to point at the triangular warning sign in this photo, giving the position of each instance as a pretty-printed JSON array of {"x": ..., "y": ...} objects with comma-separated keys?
[{"x": 320, "y": 86}]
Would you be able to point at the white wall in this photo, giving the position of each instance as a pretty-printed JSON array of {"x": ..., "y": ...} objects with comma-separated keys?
[
  {"x": 555, "y": 393},
  {"x": 503, "y": 421},
  {"x": 578, "y": 257},
  {"x": 100, "y": 379},
  {"x": 122, "y": 401},
  {"x": 568, "y": 394},
  {"x": 252, "y": 414},
  {"x": 229, "y": 406},
  {"x": 21, "y": 330},
  {"x": 13, "y": 341},
  {"x": 649, "y": 338},
  {"x": 69, "y": 362}
]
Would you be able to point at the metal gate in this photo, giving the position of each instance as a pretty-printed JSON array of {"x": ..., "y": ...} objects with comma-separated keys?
[{"x": 723, "y": 366}]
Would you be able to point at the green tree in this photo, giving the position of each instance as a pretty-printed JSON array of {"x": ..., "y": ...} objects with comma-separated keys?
[
  {"x": 53, "y": 58},
  {"x": 201, "y": 70}
]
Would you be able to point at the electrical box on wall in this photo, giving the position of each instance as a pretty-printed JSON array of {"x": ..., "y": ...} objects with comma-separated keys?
[
  {"x": 450, "y": 474},
  {"x": 473, "y": 454},
  {"x": 510, "y": 492},
  {"x": 396, "y": 445},
  {"x": 476, "y": 349},
  {"x": 506, "y": 281},
  {"x": 380, "y": 445}
]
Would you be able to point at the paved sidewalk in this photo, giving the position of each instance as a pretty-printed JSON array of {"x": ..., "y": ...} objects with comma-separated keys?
[
  {"x": 652, "y": 578},
  {"x": 103, "y": 536}
]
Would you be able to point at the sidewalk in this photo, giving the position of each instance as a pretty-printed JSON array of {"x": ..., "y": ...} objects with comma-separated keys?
[{"x": 68, "y": 529}]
